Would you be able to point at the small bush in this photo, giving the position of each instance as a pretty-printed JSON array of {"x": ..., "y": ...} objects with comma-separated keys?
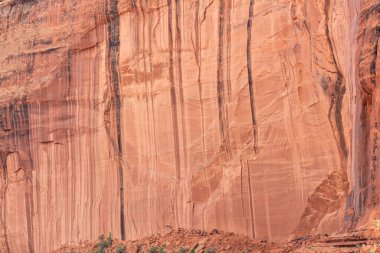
[
  {"x": 103, "y": 244},
  {"x": 109, "y": 241},
  {"x": 120, "y": 248}
]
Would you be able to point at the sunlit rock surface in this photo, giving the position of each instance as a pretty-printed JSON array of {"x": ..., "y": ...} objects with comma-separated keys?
[{"x": 134, "y": 117}]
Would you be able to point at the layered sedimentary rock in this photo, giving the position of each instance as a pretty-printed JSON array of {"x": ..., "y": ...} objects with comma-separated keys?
[{"x": 134, "y": 117}]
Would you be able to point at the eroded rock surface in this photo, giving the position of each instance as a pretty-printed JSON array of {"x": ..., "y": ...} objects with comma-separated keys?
[{"x": 133, "y": 117}]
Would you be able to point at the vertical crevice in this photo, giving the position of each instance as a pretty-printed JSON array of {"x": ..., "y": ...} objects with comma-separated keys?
[
  {"x": 173, "y": 95},
  {"x": 174, "y": 111},
  {"x": 372, "y": 68},
  {"x": 69, "y": 179},
  {"x": 339, "y": 91},
  {"x": 363, "y": 153},
  {"x": 30, "y": 66},
  {"x": 113, "y": 47},
  {"x": 228, "y": 19},
  {"x": 29, "y": 205},
  {"x": 220, "y": 77},
  {"x": 374, "y": 198},
  {"x": 69, "y": 56},
  {"x": 179, "y": 74},
  {"x": 250, "y": 78}
]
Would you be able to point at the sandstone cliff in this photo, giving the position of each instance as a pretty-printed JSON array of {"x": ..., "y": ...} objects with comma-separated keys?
[{"x": 136, "y": 116}]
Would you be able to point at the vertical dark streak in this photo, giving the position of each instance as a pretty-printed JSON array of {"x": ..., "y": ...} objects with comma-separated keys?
[
  {"x": 69, "y": 54},
  {"x": 173, "y": 97},
  {"x": 339, "y": 91},
  {"x": 24, "y": 120},
  {"x": 179, "y": 70},
  {"x": 250, "y": 79},
  {"x": 362, "y": 153},
  {"x": 30, "y": 64},
  {"x": 68, "y": 179},
  {"x": 66, "y": 183},
  {"x": 229, "y": 49},
  {"x": 250, "y": 201},
  {"x": 68, "y": 107},
  {"x": 220, "y": 77},
  {"x": 372, "y": 68},
  {"x": 113, "y": 26}
]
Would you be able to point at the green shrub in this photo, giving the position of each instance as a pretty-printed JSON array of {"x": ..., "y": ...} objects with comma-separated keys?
[
  {"x": 120, "y": 248},
  {"x": 153, "y": 250},
  {"x": 103, "y": 244},
  {"x": 109, "y": 241}
]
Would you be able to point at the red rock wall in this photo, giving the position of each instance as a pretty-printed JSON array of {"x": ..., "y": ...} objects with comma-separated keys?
[
  {"x": 134, "y": 117},
  {"x": 364, "y": 198}
]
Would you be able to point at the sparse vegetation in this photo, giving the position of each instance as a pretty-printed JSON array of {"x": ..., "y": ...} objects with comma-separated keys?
[
  {"x": 103, "y": 244},
  {"x": 120, "y": 248},
  {"x": 183, "y": 250},
  {"x": 157, "y": 250}
]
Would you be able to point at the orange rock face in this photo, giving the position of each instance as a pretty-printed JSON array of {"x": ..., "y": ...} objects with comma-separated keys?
[{"x": 131, "y": 117}]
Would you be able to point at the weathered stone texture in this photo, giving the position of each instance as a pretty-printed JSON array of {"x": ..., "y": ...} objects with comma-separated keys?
[{"x": 133, "y": 117}]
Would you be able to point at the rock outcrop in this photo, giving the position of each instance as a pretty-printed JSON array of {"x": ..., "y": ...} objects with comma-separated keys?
[{"x": 135, "y": 117}]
